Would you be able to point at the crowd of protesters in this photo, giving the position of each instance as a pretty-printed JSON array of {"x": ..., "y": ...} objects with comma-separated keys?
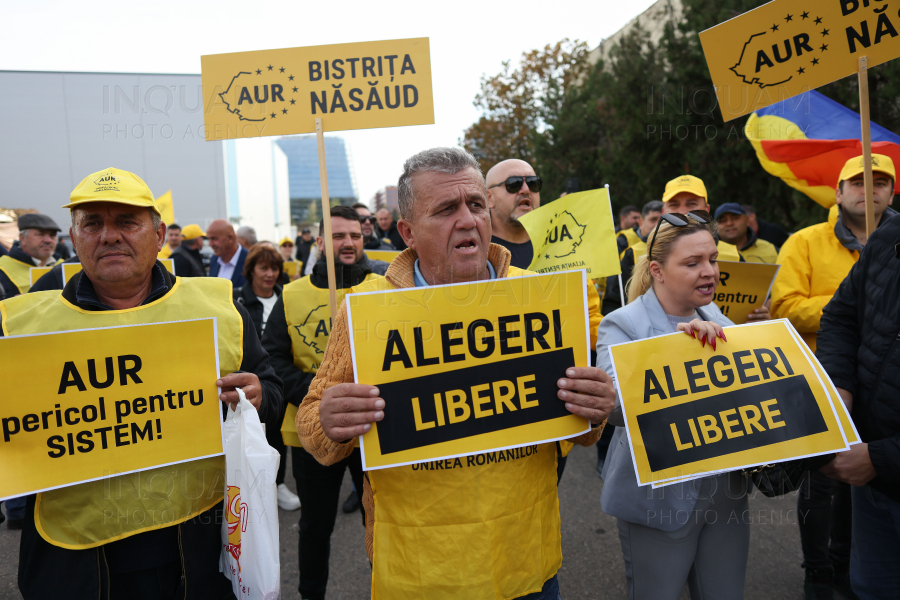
[{"x": 837, "y": 285}]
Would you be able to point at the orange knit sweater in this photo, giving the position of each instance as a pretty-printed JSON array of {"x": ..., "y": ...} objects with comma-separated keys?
[{"x": 337, "y": 367}]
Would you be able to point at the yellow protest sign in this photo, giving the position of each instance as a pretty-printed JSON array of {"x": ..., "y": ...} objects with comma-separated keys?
[
  {"x": 691, "y": 410},
  {"x": 743, "y": 287},
  {"x": 166, "y": 208},
  {"x": 788, "y": 47},
  {"x": 289, "y": 427},
  {"x": 385, "y": 255},
  {"x": 169, "y": 264},
  {"x": 350, "y": 86},
  {"x": 292, "y": 268},
  {"x": 68, "y": 270},
  {"x": 574, "y": 232},
  {"x": 469, "y": 368},
  {"x": 36, "y": 273},
  {"x": 103, "y": 402}
]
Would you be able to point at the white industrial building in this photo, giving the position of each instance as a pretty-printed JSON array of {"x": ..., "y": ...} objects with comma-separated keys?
[{"x": 58, "y": 127}]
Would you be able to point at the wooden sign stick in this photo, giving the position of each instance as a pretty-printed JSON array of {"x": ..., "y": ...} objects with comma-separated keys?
[
  {"x": 866, "y": 143},
  {"x": 326, "y": 221}
]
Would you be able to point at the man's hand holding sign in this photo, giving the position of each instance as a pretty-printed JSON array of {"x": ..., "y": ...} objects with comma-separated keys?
[{"x": 449, "y": 378}]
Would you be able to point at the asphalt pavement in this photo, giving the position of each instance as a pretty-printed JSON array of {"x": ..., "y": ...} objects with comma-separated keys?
[{"x": 592, "y": 559}]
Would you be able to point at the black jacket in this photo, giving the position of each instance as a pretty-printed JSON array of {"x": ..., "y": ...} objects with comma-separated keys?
[
  {"x": 859, "y": 346},
  {"x": 48, "y": 571},
  {"x": 244, "y": 295},
  {"x": 377, "y": 243},
  {"x": 303, "y": 248},
  {"x": 277, "y": 341},
  {"x": 187, "y": 262},
  {"x": 391, "y": 234}
]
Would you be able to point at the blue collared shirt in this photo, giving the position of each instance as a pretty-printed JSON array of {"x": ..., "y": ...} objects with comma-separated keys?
[
  {"x": 420, "y": 281},
  {"x": 86, "y": 295}
]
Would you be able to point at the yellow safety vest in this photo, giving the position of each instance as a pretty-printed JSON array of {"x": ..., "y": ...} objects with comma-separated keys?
[
  {"x": 728, "y": 252},
  {"x": 482, "y": 527},
  {"x": 632, "y": 238},
  {"x": 19, "y": 272},
  {"x": 166, "y": 252},
  {"x": 98, "y": 512},
  {"x": 309, "y": 325}
]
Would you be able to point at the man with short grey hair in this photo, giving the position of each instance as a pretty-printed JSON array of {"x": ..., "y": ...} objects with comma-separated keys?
[
  {"x": 424, "y": 517},
  {"x": 37, "y": 243},
  {"x": 246, "y": 236},
  {"x": 387, "y": 229}
]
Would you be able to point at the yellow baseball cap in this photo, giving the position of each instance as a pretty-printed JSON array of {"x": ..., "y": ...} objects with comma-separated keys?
[
  {"x": 192, "y": 232},
  {"x": 112, "y": 185},
  {"x": 286, "y": 240},
  {"x": 855, "y": 166},
  {"x": 685, "y": 183}
]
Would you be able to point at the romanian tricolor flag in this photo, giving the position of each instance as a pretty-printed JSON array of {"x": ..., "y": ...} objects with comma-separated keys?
[{"x": 806, "y": 140}]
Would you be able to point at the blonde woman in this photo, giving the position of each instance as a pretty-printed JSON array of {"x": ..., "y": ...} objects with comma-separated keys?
[{"x": 694, "y": 532}]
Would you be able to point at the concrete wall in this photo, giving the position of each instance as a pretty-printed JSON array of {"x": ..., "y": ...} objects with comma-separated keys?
[{"x": 57, "y": 128}]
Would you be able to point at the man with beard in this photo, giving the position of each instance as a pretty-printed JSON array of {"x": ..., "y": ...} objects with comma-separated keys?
[{"x": 296, "y": 335}]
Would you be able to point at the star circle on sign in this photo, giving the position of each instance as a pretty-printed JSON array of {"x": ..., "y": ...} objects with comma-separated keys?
[
  {"x": 815, "y": 61},
  {"x": 281, "y": 70},
  {"x": 258, "y": 71},
  {"x": 789, "y": 18},
  {"x": 272, "y": 115},
  {"x": 801, "y": 71},
  {"x": 774, "y": 28},
  {"x": 818, "y": 21},
  {"x": 804, "y": 16},
  {"x": 824, "y": 47},
  {"x": 825, "y": 32}
]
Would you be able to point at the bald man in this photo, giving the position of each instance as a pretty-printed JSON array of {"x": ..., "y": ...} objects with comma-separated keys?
[
  {"x": 513, "y": 190},
  {"x": 230, "y": 256},
  {"x": 387, "y": 229}
]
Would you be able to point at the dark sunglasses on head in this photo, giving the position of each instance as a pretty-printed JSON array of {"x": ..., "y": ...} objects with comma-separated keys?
[
  {"x": 369, "y": 219},
  {"x": 514, "y": 184},
  {"x": 678, "y": 220}
]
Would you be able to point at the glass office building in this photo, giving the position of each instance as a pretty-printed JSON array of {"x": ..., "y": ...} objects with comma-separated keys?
[{"x": 303, "y": 175}]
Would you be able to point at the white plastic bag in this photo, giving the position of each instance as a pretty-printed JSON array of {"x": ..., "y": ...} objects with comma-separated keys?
[{"x": 249, "y": 555}]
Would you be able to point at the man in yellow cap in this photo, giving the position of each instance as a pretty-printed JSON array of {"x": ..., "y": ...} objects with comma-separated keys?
[
  {"x": 682, "y": 195},
  {"x": 186, "y": 258},
  {"x": 814, "y": 261},
  {"x": 173, "y": 551}
]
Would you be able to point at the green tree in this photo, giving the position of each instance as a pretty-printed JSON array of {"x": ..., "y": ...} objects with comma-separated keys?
[
  {"x": 647, "y": 116},
  {"x": 514, "y": 103}
]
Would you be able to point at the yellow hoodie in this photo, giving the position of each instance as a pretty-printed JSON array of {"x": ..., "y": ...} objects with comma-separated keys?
[{"x": 813, "y": 265}]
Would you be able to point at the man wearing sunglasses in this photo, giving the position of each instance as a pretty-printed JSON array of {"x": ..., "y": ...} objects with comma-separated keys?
[
  {"x": 367, "y": 221},
  {"x": 513, "y": 190}
]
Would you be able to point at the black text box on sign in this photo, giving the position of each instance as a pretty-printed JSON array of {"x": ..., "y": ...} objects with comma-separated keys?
[
  {"x": 511, "y": 393},
  {"x": 731, "y": 422}
]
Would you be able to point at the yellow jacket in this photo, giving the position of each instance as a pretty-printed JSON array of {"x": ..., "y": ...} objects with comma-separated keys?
[
  {"x": 813, "y": 265},
  {"x": 759, "y": 251}
]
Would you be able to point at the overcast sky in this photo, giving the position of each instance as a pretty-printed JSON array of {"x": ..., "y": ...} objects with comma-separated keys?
[{"x": 467, "y": 39}]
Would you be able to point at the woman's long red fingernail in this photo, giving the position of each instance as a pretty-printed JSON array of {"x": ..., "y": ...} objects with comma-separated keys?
[
  {"x": 723, "y": 337},
  {"x": 702, "y": 342},
  {"x": 686, "y": 332},
  {"x": 692, "y": 334},
  {"x": 713, "y": 343}
]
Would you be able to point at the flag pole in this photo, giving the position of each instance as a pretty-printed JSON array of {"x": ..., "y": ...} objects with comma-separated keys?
[
  {"x": 621, "y": 288},
  {"x": 866, "y": 142},
  {"x": 326, "y": 221}
]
